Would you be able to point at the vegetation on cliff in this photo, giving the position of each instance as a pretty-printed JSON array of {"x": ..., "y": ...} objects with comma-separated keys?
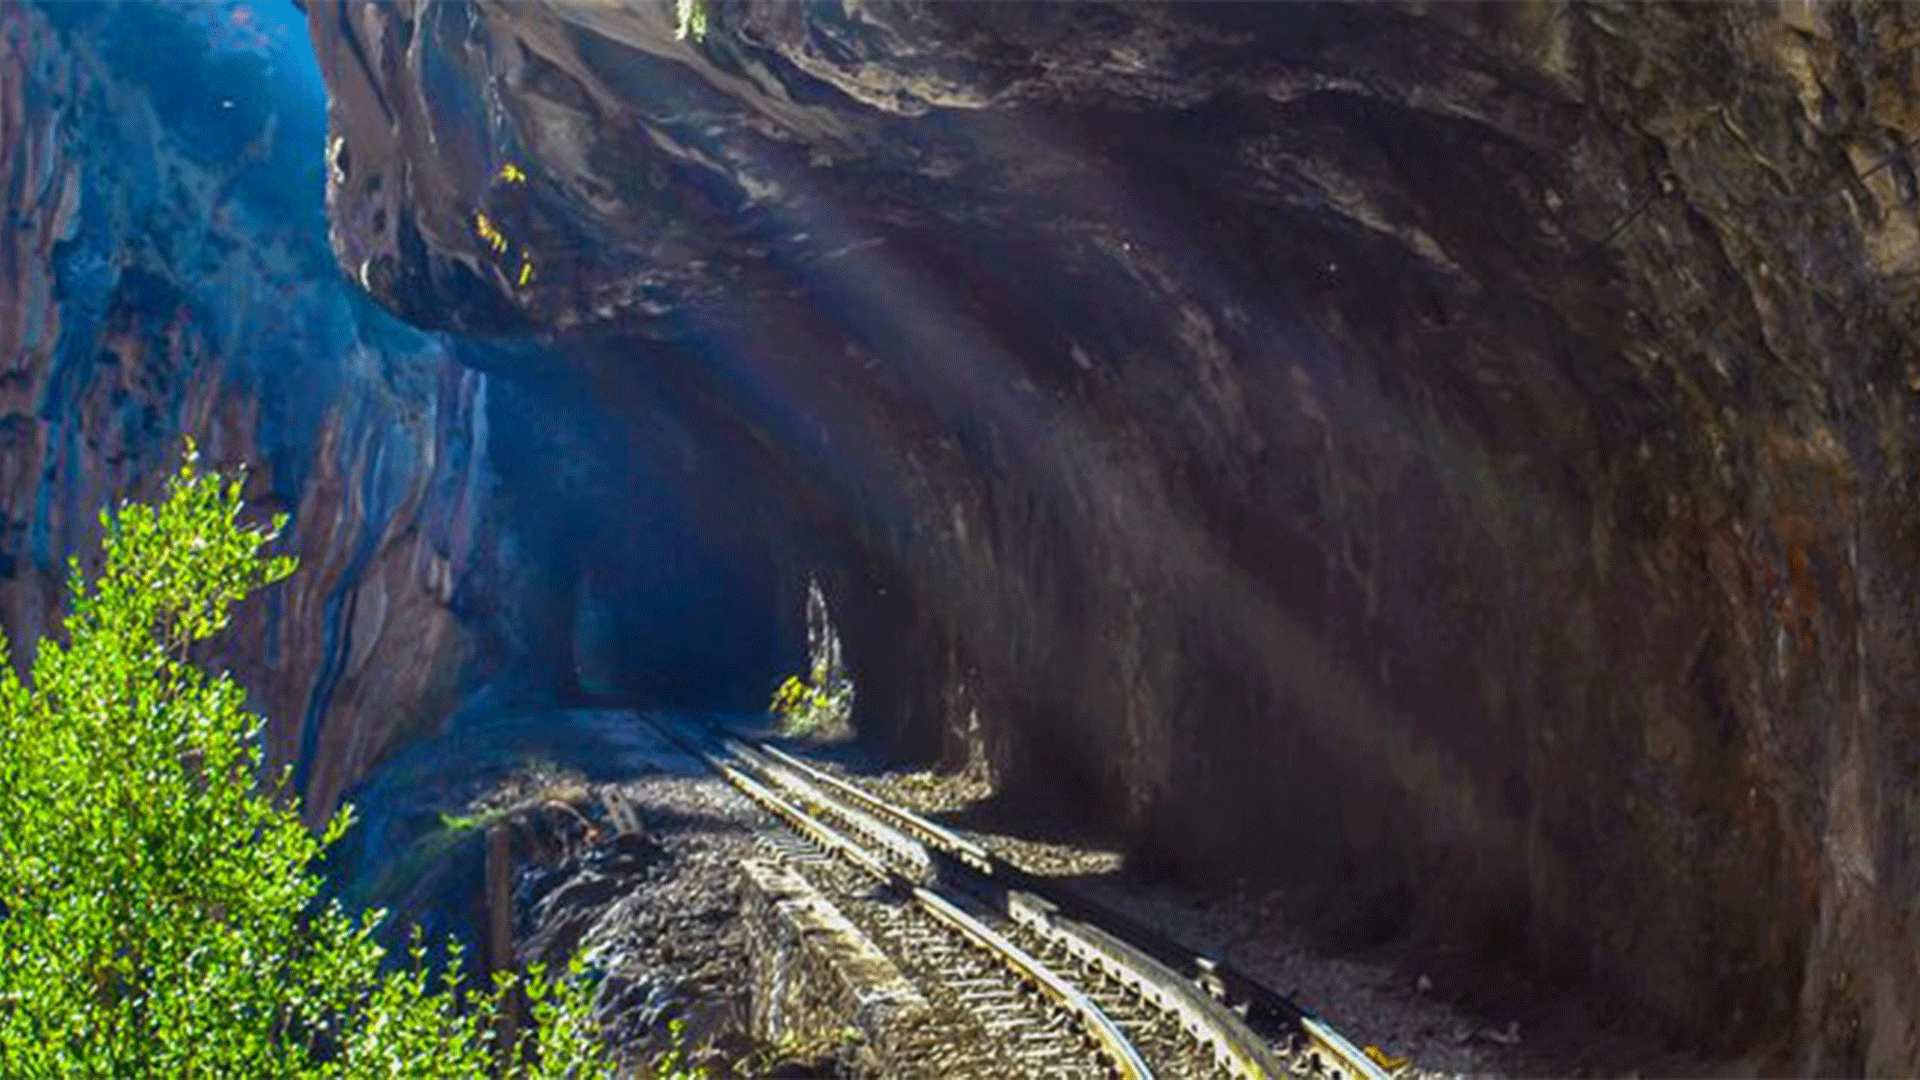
[
  {"x": 822, "y": 702},
  {"x": 159, "y": 913}
]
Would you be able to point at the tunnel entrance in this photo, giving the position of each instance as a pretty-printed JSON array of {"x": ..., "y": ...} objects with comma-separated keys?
[{"x": 635, "y": 563}]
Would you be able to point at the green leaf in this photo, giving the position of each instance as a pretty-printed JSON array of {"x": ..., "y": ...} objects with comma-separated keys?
[{"x": 159, "y": 911}]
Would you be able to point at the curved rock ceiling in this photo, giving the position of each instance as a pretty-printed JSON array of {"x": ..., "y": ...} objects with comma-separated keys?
[{"x": 1456, "y": 454}]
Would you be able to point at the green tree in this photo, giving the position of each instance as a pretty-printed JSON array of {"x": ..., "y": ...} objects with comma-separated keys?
[{"x": 159, "y": 910}]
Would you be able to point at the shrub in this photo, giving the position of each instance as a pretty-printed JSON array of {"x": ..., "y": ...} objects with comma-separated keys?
[
  {"x": 159, "y": 911},
  {"x": 805, "y": 709},
  {"x": 821, "y": 703}
]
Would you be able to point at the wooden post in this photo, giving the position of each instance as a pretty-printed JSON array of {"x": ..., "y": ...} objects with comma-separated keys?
[{"x": 499, "y": 902}]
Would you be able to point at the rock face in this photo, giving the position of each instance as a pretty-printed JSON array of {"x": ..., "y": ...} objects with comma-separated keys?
[
  {"x": 164, "y": 277},
  {"x": 164, "y": 273},
  {"x": 1458, "y": 454},
  {"x": 813, "y": 970}
]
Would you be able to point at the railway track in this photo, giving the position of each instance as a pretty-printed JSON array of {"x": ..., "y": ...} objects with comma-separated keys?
[{"x": 1059, "y": 986}]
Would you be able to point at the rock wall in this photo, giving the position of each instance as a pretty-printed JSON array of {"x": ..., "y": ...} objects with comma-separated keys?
[
  {"x": 164, "y": 276},
  {"x": 1457, "y": 454},
  {"x": 164, "y": 273},
  {"x": 814, "y": 974}
]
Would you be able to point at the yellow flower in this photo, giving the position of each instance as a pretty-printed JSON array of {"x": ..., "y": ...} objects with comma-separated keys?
[{"x": 488, "y": 232}]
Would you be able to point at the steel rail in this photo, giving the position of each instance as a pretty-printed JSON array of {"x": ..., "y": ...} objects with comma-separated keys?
[
  {"x": 932, "y": 832},
  {"x": 1107, "y": 1036},
  {"x": 1113, "y": 1042},
  {"x": 1221, "y": 1034},
  {"x": 1135, "y": 955}
]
